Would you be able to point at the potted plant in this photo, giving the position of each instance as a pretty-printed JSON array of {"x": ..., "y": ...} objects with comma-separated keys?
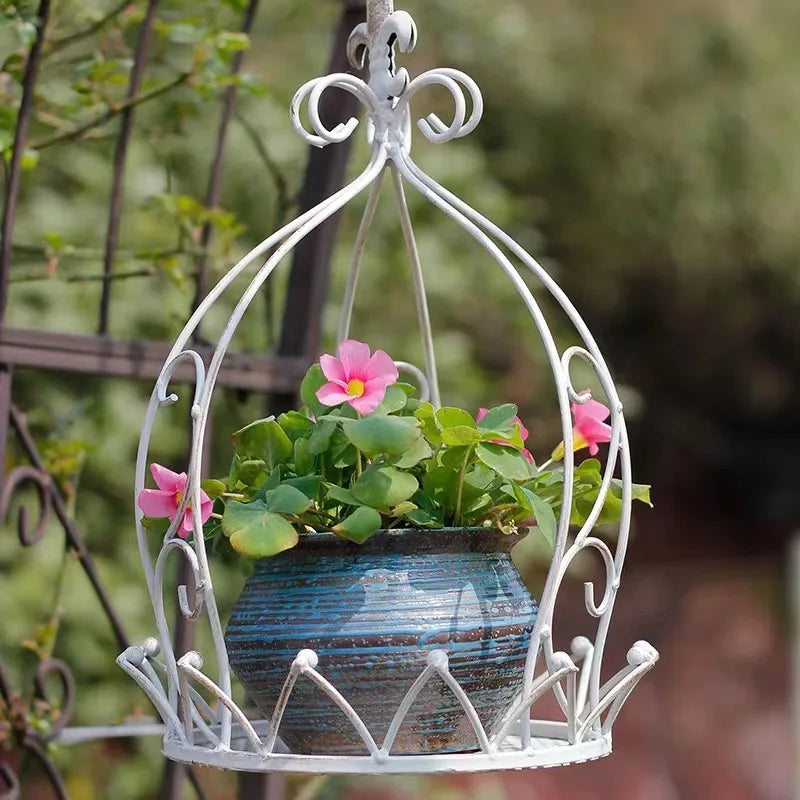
[{"x": 380, "y": 529}]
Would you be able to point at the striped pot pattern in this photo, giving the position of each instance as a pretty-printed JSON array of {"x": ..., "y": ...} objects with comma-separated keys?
[{"x": 372, "y": 613}]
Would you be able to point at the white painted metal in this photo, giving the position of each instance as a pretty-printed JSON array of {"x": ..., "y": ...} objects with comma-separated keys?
[{"x": 222, "y": 735}]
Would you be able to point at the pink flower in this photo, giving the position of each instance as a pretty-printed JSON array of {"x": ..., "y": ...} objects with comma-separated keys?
[
  {"x": 590, "y": 428},
  {"x": 523, "y": 431},
  {"x": 356, "y": 378},
  {"x": 164, "y": 501}
]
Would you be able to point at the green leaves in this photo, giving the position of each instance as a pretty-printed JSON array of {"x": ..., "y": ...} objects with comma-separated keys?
[
  {"x": 496, "y": 419},
  {"x": 286, "y": 499},
  {"x": 406, "y": 464},
  {"x": 359, "y": 526},
  {"x": 506, "y": 461},
  {"x": 312, "y": 382},
  {"x": 264, "y": 440},
  {"x": 257, "y": 532},
  {"x": 376, "y": 435},
  {"x": 384, "y": 487}
]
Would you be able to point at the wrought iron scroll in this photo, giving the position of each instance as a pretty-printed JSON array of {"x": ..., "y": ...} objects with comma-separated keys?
[{"x": 28, "y": 496}]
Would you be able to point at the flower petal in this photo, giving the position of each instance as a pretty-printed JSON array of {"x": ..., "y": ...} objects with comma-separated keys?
[
  {"x": 332, "y": 369},
  {"x": 374, "y": 392},
  {"x": 482, "y": 412},
  {"x": 332, "y": 395},
  {"x": 523, "y": 431},
  {"x": 206, "y": 507},
  {"x": 590, "y": 410},
  {"x": 186, "y": 527},
  {"x": 168, "y": 480},
  {"x": 157, "y": 503},
  {"x": 528, "y": 456},
  {"x": 354, "y": 357},
  {"x": 381, "y": 367}
]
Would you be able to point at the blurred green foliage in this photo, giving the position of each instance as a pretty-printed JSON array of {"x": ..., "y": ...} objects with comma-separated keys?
[{"x": 644, "y": 151}]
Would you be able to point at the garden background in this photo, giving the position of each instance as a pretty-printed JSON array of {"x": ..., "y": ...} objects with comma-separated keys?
[{"x": 645, "y": 152}]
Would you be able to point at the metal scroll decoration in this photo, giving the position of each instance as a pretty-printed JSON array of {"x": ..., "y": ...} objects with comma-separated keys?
[{"x": 203, "y": 723}]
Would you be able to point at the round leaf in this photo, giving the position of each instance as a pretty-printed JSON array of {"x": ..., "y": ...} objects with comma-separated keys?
[
  {"x": 359, "y": 526},
  {"x": 287, "y": 500},
  {"x": 375, "y": 435},
  {"x": 506, "y": 461},
  {"x": 384, "y": 487},
  {"x": 256, "y": 532},
  {"x": 454, "y": 417}
]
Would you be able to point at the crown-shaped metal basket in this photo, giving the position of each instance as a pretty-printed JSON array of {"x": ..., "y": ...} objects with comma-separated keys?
[{"x": 203, "y": 724}]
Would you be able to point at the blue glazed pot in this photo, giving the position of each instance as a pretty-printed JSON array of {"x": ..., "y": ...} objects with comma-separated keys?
[{"x": 372, "y": 613}]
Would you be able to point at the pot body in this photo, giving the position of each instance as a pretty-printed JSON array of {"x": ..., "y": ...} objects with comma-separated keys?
[{"x": 372, "y": 613}]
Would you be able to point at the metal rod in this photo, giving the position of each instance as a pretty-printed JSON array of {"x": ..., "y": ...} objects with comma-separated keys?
[
  {"x": 421, "y": 298},
  {"x": 20, "y": 137},
  {"x": 120, "y": 156},
  {"x": 214, "y": 189},
  {"x": 377, "y": 13},
  {"x": 325, "y": 175}
]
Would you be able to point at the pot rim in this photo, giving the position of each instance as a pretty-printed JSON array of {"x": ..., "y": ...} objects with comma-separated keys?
[{"x": 408, "y": 541}]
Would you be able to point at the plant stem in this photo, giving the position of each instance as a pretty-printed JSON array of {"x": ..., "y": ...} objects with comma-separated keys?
[
  {"x": 214, "y": 515},
  {"x": 460, "y": 491},
  {"x": 234, "y": 495},
  {"x": 110, "y": 113},
  {"x": 541, "y": 467},
  {"x": 65, "y": 41},
  {"x": 358, "y": 464}
]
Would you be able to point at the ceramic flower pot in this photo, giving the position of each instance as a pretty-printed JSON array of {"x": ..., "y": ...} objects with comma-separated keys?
[{"x": 372, "y": 613}]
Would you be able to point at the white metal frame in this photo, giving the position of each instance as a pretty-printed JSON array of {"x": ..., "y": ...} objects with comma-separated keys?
[{"x": 223, "y": 736}]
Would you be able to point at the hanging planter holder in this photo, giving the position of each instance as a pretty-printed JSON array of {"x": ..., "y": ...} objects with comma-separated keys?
[{"x": 336, "y": 702}]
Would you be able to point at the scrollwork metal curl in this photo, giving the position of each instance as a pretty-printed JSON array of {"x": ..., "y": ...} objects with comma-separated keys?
[
  {"x": 167, "y": 373},
  {"x": 190, "y": 611},
  {"x": 313, "y": 91},
  {"x": 66, "y": 707},
  {"x": 42, "y": 483},
  {"x": 432, "y": 126}
]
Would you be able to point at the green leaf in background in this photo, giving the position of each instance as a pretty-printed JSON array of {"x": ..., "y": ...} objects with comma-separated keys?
[
  {"x": 363, "y": 523},
  {"x": 498, "y": 418},
  {"x": 460, "y": 435},
  {"x": 287, "y": 499},
  {"x": 320, "y": 439},
  {"x": 308, "y": 484},
  {"x": 426, "y": 414},
  {"x": 295, "y": 424},
  {"x": 512, "y": 436},
  {"x": 418, "y": 451},
  {"x": 340, "y": 495},
  {"x": 395, "y": 400},
  {"x": 303, "y": 457},
  {"x": 252, "y": 472},
  {"x": 545, "y": 517},
  {"x": 384, "y": 487},
  {"x": 213, "y": 488},
  {"x": 264, "y": 439},
  {"x": 424, "y": 519},
  {"x": 454, "y": 457},
  {"x": 374, "y": 436},
  {"x": 408, "y": 388},
  {"x": 156, "y": 525},
  {"x": 454, "y": 418},
  {"x": 402, "y": 509},
  {"x": 507, "y": 461},
  {"x": 312, "y": 382},
  {"x": 257, "y": 532}
]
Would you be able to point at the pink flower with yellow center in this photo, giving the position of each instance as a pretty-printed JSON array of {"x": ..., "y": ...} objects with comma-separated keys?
[
  {"x": 164, "y": 501},
  {"x": 356, "y": 377},
  {"x": 523, "y": 431},
  {"x": 590, "y": 426}
]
